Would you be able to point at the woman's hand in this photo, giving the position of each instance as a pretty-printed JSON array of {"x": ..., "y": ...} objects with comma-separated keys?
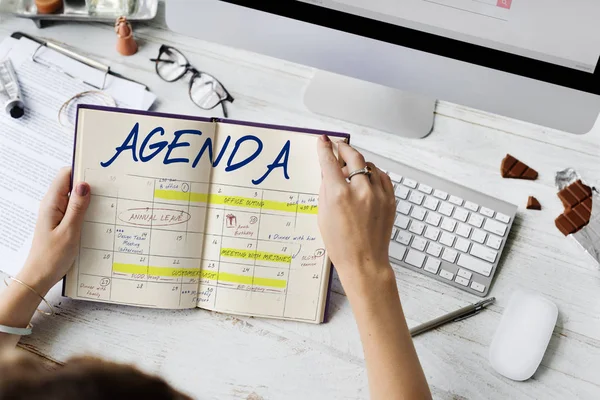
[
  {"x": 355, "y": 218},
  {"x": 57, "y": 232}
]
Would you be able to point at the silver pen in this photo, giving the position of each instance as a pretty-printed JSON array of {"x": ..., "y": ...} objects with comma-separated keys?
[{"x": 457, "y": 315}]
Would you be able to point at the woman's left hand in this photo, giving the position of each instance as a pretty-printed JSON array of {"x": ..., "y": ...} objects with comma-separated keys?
[{"x": 57, "y": 233}]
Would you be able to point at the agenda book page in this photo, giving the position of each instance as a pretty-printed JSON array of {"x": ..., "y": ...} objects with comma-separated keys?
[
  {"x": 137, "y": 247},
  {"x": 189, "y": 213}
]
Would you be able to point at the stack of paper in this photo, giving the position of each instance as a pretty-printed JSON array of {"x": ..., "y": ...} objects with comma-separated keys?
[{"x": 35, "y": 147}]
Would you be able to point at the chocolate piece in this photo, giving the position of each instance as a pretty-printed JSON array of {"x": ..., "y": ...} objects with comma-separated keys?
[
  {"x": 564, "y": 225},
  {"x": 533, "y": 204},
  {"x": 513, "y": 168}
]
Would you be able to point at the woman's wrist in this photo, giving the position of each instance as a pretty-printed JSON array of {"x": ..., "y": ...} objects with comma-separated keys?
[
  {"x": 362, "y": 283},
  {"x": 33, "y": 276}
]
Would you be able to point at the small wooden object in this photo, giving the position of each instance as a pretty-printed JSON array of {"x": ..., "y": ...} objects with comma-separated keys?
[
  {"x": 513, "y": 168},
  {"x": 48, "y": 6},
  {"x": 126, "y": 44},
  {"x": 533, "y": 204}
]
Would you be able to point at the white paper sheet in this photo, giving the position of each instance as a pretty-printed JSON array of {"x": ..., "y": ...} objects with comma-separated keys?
[{"x": 35, "y": 147}]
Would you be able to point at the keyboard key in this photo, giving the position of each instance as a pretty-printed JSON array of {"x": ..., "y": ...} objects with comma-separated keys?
[
  {"x": 483, "y": 252},
  {"x": 431, "y": 203},
  {"x": 448, "y": 224},
  {"x": 475, "y": 220},
  {"x": 447, "y": 239},
  {"x": 477, "y": 286},
  {"x": 394, "y": 230},
  {"x": 478, "y": 236},
  {"x": 432, "y": 233},
  {"x": 474, "y": 264},
  {"x": 401, "y": 221},
  {"x": 464, "y": 273},
  {"x": 432, "y": 265},
  {"x": 404, "y": 237},
  {"x": 456, "y": 200},
  {"x": 446, "y": 274},
  {"x": 434, "y": 249},
  {"x": 417, "y": 227},
  {"x": 415, "y": 258},
  {"x": 401, "y": 192},
  {"x": 395, "y": 177},
  {"x": 446, "y": 209},
  {"x": 418, "y": 213},
  {"x": 488, "y": 212},
  {"x": 494, "y": 242},
  {"x": 433, "y": 219},
  {"x": 416, "y": 197},
  {"x": 403, "y": 207},
  {"x": 425, "y": 188},
  {"x": 462, "y": 245},
  {"x": 462, "y": 281},
  {"x": 469, "y": 205},
  {"x": 450, "y": 255},
  {"x": 440, "y": 194},
  {"x": 397, "y": 251},
  {"x": 463, "y": 230},
  {"x": 461, "y": 214},
  {"x": 411, "y": 183},
  {"x": 495, "y": 227},
  {"x": 503, "y": 218},
  {"x": 419, "y": 243}
]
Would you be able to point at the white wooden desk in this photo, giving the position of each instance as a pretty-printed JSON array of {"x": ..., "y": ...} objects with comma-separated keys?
[{"x": 213, "y": 355}]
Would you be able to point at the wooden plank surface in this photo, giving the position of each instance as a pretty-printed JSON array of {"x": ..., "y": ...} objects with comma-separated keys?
[{"x": 213, "y": 355}]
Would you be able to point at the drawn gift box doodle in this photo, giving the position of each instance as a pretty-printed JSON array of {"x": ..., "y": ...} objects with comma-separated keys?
[{"x": 231, "y": 220}]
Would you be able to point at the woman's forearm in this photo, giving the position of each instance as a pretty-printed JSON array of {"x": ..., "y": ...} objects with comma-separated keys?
[
  {"x": 17, "y": 306},
  {"x": 392, "y": 364}
]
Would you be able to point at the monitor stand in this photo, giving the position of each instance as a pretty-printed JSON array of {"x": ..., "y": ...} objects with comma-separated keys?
[{"x": 369, "y": 104}]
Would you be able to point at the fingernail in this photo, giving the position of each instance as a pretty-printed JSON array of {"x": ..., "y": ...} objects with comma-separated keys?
[
  {"x": 325, "y": 138},
  {"x": 82, "y": 189}
]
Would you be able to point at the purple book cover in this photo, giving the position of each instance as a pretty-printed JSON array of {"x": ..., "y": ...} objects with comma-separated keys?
[{"x": 346, "y": 136}]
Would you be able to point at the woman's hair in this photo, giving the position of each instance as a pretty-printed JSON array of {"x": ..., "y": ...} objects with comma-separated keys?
[{"x": 24, "y": 377}]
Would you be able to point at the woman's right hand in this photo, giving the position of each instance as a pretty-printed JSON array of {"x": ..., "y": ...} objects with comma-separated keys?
[{"x": 356, "y": 217}]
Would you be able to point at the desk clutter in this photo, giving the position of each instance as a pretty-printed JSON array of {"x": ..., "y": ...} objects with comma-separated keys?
[{"x": 34, "y": 147}]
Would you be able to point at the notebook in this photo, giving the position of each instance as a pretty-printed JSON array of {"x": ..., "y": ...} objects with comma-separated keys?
[{"x": 192, "y": 212}]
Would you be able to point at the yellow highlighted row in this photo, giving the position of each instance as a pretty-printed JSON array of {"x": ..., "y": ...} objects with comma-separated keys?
[
  {"x": 196, "y": 273},
  {"x": 234, "y": 201},
  {"x": 255, "y": 255}
]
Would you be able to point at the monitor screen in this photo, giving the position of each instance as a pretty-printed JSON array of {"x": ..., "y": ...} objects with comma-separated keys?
[
  {"x": 561, "y": 32},
  {"x": 555, "y": 41}
]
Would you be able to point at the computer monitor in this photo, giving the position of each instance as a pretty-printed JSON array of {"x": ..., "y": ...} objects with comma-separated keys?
[{"x": 534, "y": 60}]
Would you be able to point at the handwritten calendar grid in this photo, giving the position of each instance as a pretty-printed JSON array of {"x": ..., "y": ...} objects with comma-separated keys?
[{"x": 221, "y": 246}]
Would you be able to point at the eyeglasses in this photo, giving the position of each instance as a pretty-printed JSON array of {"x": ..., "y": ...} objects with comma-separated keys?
[{"x": 205, "y": 90}]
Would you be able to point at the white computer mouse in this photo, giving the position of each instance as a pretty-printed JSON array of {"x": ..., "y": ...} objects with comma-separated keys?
[{"x": 523, "y": 335}]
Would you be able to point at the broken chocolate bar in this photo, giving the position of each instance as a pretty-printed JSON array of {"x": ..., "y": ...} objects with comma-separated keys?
[
  {"x": 513, "y": 168},
  {"x": 577, "y": 199},
  {"x": 533, "y": 204}
]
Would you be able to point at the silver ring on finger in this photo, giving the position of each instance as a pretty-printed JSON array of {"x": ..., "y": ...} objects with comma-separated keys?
[{"x": 363, "y": 171}]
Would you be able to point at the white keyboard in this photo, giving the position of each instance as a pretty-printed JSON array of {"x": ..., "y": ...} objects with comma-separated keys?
[{"x": 444, "y": 230}]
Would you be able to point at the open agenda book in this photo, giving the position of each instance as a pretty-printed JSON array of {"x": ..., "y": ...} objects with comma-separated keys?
[{"x": 191, "y": 212}]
